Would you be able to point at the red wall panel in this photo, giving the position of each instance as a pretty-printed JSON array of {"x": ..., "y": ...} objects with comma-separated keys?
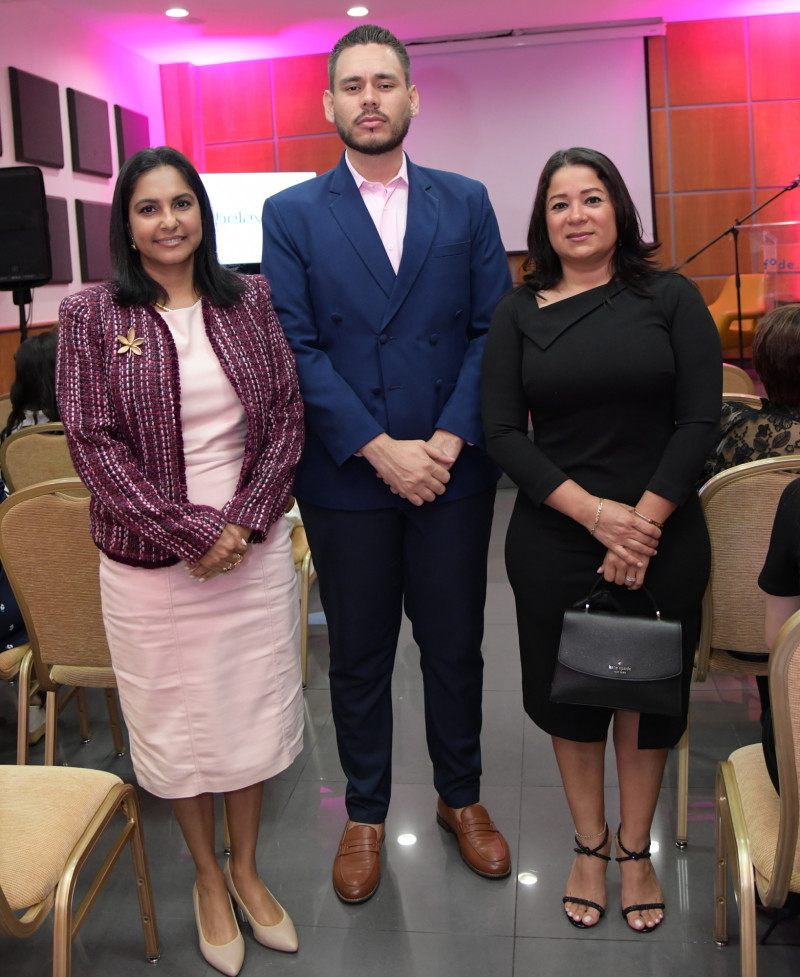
[
  {"x": 659, "y": 150},
  {"x": 707, "y": 62},
  {"x": 710, "y": 148},
  {"x": 180, "y": 93},
  {"x": 312, "y": 154},
  {"x": 236, "y": 101},
  {"x": 299, "y": 84},
  {"x": 664, "y": 229},
  {"x": 700, "y": 217},
  {"x": 241, "y": 157},
  {"x": 655, "y": 71},
  {"x": 776, "y": 137},
  {"x": 774, "y": 56},
  {"x": 785, "y": 208}
]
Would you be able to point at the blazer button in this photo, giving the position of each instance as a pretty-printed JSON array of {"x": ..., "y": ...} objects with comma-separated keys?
[
  {"x": 439, "y": 382},
  {"x": 336, "y": 317},
  {"x": 383, "y": 340},
  {"x": 377, "y": 391},
  {"x": 458, "y": 313},
  {"x": 434, "y": 339}
]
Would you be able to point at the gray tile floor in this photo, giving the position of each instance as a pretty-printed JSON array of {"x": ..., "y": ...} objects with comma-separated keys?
[{"x": 431, "y": 917}]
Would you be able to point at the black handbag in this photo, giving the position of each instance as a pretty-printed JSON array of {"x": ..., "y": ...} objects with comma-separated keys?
[{"x": 620, "y": 661}]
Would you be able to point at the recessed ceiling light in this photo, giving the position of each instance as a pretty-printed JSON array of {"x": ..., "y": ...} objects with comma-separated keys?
[
  {"x": 176, "y": 12},
  {"x": 357, "y": 12}
]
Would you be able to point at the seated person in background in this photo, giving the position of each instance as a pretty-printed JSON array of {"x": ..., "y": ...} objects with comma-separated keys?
[
  {"x": 33, "y": 398},
  {"x": 33, "y": 401},
  {"x": 751, "y": 433},
  {"x": 780, "y": 581}
]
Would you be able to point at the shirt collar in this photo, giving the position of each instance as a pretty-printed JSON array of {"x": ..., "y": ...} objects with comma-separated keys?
[{"x": 401, "y": 175}]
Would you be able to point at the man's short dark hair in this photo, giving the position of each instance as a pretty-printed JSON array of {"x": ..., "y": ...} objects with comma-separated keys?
[{"x": 369, "y": 34}]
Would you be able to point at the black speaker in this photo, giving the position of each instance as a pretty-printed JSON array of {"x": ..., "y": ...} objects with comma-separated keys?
[{"x": 24, "y": 238}]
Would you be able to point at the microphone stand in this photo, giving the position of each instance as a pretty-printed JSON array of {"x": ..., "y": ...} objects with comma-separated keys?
[
  {"x": 22, "y": 297},
  {"x": 733, "y": 230}
]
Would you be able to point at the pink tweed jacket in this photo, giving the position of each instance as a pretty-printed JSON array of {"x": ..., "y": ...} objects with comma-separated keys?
[{"x": 121, "y": 413}]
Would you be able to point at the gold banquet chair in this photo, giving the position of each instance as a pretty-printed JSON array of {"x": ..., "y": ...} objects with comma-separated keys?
[
  {"x": 35, "y": 454},
  {"x": 739, "y": 507},
  {"x": 16, "y": 664},
  {"x": 51, "y": 819},
  {"x": 735, "y": 380},
  {"x": 52, "y": 564},
  {"x": 752, "y": 400},
  {"x": 756, "y": 831},
  {"x": 305, "y": 568}
]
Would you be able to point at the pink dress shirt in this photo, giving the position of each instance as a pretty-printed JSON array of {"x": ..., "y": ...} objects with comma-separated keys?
[{"x": 388, "y": 207}]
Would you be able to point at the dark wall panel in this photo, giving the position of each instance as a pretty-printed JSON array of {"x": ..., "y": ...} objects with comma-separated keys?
[
  {"x": 60, "y": 251},
  {"x": 93, "y": 223},
  {"x": 133, "y": 132},
  {"x": 36, "y": 113},
  {"x": 89, "y": 134}
]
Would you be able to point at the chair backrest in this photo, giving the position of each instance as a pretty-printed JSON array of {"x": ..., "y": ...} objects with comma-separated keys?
[
  {"x": 53, "y": 566},
  {"x": 736, "y": 380},
  {"x": 784, "y": 684},
  {"x": 739, "y": 506},
  {"x": 35, "y": 454},
  {"x": 750, "y": 399}
]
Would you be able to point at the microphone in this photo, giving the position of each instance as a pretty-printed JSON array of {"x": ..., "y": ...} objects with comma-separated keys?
[{"x": 794, "y": 183}]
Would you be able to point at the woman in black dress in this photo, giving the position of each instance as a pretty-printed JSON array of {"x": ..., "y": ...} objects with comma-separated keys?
[{"x": 619, "y": 366}]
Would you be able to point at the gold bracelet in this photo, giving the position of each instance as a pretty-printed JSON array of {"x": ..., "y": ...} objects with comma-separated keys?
[
  {"x": 653, "y": 522},
  {"x": 597, "y": 517}
]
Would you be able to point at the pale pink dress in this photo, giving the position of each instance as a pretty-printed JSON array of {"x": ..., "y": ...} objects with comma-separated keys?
[{"x": 208, "y": 672}]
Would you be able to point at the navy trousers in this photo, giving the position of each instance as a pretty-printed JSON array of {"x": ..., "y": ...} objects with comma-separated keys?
[{"x": 432, "y": 560}]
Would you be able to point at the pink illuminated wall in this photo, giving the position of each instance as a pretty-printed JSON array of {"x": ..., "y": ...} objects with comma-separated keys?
[{"x": 37, "y": 38}]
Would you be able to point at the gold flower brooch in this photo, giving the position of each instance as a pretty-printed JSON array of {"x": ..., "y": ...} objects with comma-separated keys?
[{"x": 130, "y": 343}]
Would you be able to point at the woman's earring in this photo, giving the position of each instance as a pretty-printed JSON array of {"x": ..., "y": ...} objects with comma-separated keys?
[{"x": 133, "y": 245}]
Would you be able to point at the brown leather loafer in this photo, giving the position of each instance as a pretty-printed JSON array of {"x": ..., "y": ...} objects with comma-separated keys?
[
  {"x": 482, "y": 846},
  {"x": 357, "y": 866}
]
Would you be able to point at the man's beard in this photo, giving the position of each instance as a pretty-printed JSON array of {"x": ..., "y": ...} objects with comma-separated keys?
[{"x": 394, "y": 138}]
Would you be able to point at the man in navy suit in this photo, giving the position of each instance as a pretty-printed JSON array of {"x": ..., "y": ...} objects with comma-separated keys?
[{"x": 385, "y": 276}]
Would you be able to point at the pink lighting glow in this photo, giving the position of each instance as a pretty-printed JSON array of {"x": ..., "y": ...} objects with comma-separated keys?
[{"x": 241, "y": 30}]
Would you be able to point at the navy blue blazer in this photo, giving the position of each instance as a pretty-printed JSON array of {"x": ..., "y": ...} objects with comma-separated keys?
[{"x": 378, "y": 352}]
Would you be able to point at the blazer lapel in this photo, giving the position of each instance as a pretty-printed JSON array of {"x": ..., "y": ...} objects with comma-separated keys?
[
  {"x": 421, "y": 224},
  {"x": 350, "y": 213}
]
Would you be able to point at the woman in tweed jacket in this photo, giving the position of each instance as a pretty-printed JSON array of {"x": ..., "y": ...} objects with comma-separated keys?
[{"x": 181, "y": 406}]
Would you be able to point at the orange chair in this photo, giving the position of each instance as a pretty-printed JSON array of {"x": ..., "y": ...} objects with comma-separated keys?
[{"x": 725, "y": 313}]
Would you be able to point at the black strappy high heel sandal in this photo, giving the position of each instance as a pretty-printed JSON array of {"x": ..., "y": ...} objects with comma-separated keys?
[
  {"x": 585, "y": 850},
  {"x": 633, "y": 856}
]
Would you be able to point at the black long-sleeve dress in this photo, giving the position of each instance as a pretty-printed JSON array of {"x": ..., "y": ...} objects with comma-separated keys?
[{"x": 624, "y": 394}]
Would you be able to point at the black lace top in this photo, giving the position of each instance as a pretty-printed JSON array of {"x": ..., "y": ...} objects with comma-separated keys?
[{"x": 749, "y": 434}]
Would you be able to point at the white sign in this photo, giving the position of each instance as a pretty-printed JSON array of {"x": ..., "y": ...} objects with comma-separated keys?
[{"x": 237, "y": 200}]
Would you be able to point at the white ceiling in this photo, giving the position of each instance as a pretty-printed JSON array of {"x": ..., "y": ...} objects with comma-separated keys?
[{"x": 231, "y": 30}]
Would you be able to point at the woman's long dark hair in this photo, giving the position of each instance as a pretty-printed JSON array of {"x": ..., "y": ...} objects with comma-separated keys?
[
  {"x": 135, "y": 287},
  {"x": 33, "y": 388},
  {"x": 632, "y": 261}
]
